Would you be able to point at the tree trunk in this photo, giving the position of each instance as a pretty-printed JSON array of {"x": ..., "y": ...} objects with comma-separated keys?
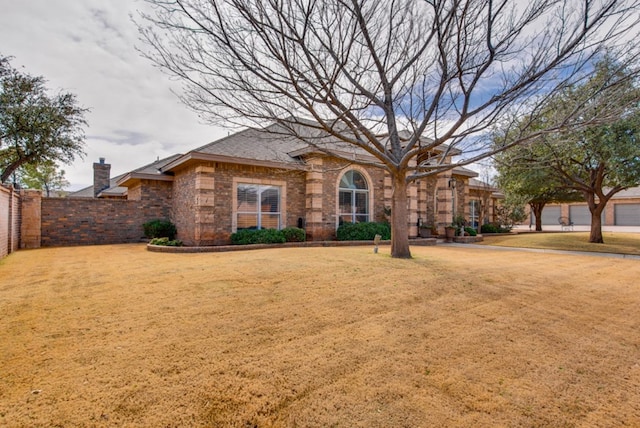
[
  {"x": 399, "y": 218},
  {"x": 596, "y": 209},
  {"x": 537, "y": 208},
  {"x": 596, "y": 227}
]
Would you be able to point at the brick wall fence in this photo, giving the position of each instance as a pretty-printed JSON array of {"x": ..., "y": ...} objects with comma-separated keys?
[
  {"x": 80, "y": 221},
  {"x": 9, "y": 221},
  {"x": 51, "y": 222}
]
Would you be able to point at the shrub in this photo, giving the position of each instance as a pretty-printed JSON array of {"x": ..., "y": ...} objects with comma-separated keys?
[
  {"x": 166, "y": 242},
  {"x": 489, "y": 228},
  {"x": 159, "y": 229},
  {"x": 365, "y": 231},
  {"x": 495, "y": 228},
  {"x": 294, "y": 234},
  {"x": 470, "y": 231},
  {"x": 257, "y": 236}
]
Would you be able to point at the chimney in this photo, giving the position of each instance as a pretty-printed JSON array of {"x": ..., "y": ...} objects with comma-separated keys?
[{"x": 101, "y": 177}]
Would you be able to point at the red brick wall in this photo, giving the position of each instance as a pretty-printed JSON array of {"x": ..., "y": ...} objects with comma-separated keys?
[
  {"x": 5, "y": 215},
  {"x": 9, "y": 221},
  {"x": 84, "y": 221},
  {"x": 183, "y": 210},
  {"x": 14, "y": 227},
  {"x": 183, "y": 204},
  {"x": 30, "y": 222}
]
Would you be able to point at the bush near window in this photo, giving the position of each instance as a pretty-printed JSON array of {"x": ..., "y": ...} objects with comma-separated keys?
[
  {"x": 159, "y": 229},
  {"x": 294, "y": 234},
  {"x": 494, "y": 228},
  {"x": 471, "y": 231},
  {"x": 166, "y": 242},
  {"x": 365, "y": 231},
  {"x": 257, "y": 236},
  {"x": 489, "y": 228}
]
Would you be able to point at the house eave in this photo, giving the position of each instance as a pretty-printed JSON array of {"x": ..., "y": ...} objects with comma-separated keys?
[
  {"x": 194, "y": 157},
  {"x": 464, "y": 172},
  {"x": 130, "y": 178},
  {"x": 347, "y": 156}
]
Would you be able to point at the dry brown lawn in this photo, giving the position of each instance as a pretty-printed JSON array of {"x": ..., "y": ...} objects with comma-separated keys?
[{"x": 318, "y": 337}]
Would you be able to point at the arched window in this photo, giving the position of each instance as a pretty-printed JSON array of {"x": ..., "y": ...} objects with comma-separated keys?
[{"x": 353, "y": 200}]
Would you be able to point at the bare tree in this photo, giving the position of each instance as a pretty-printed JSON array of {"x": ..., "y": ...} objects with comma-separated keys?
[{"x": 395, "y": 78}]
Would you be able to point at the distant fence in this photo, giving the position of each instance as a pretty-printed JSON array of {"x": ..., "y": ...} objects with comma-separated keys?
[{"x": 9, "y": 221}]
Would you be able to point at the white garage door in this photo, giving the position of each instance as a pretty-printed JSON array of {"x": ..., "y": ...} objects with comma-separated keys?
[
  {"x": 627, "y": 214},
  {"x": 580, "y": 215},
  {"x": 550, "y": 215}
]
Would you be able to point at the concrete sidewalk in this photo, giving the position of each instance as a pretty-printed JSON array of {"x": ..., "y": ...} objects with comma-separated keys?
[
  {"x": 541, "y": 250},
  {"x": 576, "y": 228}
]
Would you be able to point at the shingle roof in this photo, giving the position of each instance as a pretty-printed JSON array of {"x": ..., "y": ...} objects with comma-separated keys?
[
  {"x": 87, "y": 192},
  {"x": 254, "y": 144},
  {"x": 633, "y": 192},
  {"x": 156, "y": 166},
  {"x": 276, "y": 144},
  {"x": 114, "y": 189}
]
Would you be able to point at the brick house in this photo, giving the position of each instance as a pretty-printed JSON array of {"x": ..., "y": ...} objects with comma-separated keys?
[{"x": 264, "y": 179}]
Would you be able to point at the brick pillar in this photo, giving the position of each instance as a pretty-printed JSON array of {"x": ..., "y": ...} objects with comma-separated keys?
[
  {"x": 444, "y": 203},
  {"x": 31, "y": 218},
  {"x": 205, "y": 233},
  {"x": 313, "y": 206},
  {"x": 412, "y": 194},
  {"x": 101, "y": 177}
]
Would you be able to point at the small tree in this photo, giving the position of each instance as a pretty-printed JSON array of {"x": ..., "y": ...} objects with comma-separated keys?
[
  {"x": 526, "y": 183},
  {"x": 46, "y": 177},
  {"x": 36, "y": 127},
  {"x": 591, "y": 157}
]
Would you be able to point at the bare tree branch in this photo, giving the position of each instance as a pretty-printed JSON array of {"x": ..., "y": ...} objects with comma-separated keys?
[{"x": 397, "y": 79}]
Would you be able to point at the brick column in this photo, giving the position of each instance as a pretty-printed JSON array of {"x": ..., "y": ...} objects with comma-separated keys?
[
  {"x": 412, "y": 194},
  {"x": 444, "y": 214},
  {"x": 413, "y": 210},
  {"x": 31, "y": 216},
  {"x": 204, "y": 233},
  {"x": 313, "y": 205}
]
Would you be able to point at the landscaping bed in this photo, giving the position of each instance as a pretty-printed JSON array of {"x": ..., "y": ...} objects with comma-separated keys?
[{"x": 307, "y": 244}]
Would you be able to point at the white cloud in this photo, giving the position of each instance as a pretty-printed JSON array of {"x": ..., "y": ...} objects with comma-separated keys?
[{"x": 88, "y": 48}]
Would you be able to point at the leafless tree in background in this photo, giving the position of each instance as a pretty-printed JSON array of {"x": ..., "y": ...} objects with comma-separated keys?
[{"x": 395, "y": 78}]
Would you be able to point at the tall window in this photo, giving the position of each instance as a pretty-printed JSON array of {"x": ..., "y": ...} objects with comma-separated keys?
[
  {"x": 353, "y": 199},
  {"x": 474, "y": 213},
  {"x": 258, "y": 207}
]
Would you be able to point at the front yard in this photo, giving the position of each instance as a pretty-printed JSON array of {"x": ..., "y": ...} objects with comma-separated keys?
[{"x": 317, "y": 337}]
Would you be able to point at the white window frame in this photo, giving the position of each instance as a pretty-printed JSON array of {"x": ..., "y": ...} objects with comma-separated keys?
[
  {"x": 262, "y": 184},
  {"x": 368, "y": 192}
]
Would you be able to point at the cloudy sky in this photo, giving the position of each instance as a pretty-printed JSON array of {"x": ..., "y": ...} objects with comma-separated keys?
[{"x": 88, "y": 47}]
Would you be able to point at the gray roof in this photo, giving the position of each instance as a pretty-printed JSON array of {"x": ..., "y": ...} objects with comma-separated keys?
[
  {"x": 256, "y": 145},
  {"x": 633, "y": 192},
  {"x": 87, "y": 192},
  {"x": 275, "y": 143},
  {"x": 114, "y": 189},
  {"x": 156, "y": 166}
]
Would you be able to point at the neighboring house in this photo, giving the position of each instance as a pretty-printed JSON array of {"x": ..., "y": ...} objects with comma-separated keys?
[
  {"x": 623, "y": 209},
  {"x": 261, "y": 179}
]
